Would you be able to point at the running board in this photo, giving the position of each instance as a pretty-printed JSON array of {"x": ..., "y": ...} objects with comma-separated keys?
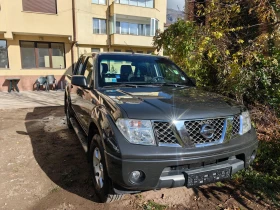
[{"x": 80, "y": 133}]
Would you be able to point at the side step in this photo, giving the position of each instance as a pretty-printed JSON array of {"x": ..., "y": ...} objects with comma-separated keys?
[{"x": 78, "y": 130}]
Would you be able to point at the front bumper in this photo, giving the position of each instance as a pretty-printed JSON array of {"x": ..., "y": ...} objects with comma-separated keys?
[{"x": 169, "y": 173}]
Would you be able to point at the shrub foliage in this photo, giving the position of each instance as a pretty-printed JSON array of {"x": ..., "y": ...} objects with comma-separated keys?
[{"x": 234, "y": 53}]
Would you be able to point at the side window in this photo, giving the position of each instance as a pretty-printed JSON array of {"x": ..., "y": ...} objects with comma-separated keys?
[
  {"x": 89, "y": 70},
  {"x": 79, "y": 66}
]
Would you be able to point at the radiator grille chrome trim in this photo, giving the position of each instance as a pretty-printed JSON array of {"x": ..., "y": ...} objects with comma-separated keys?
[{"x": 177, "y": 134}]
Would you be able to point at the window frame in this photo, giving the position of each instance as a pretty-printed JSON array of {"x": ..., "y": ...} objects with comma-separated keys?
[
  {"x": 95, "y": 50},
  {"x": 8, "y": 63},
  {"x": 36, "y": 53},
  {"x": 145, "y": 29},
  {"x": 99, "y": 25},
  {"x": 99, "y": 2},
  {"x": 119, "y": 2}
]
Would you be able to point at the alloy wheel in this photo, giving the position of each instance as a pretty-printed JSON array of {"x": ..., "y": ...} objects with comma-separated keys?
[{"x": 98, "y": 168}]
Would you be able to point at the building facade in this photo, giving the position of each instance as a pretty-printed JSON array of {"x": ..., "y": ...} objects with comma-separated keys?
[
  {"x": 35, "y": 40},
  {"x": 46, "y": 37},
  {"x": 119, "y": 25}
]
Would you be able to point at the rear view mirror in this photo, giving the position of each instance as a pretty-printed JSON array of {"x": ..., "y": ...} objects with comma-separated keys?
[{"x": 79, "y": 80}]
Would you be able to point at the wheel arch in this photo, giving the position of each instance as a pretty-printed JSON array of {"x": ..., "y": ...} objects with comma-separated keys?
[{"x": 93, "y": 129}]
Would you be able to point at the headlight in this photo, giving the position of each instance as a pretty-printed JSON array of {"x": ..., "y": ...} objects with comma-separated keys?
[
  {"x": 137, "y": 131},
  {"x": 245, "y": 123}
]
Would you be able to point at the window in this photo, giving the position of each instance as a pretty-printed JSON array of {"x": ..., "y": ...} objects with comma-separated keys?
[
  {"x": 117, "y": 50},
  {"x": 42, "y": 55},
  {"x": 139, "y": 69},
  {"x": 99, "y": 26},
  {"x": 95, "y": 49},
  {"x": 139, "y": 3},
  {"x": 89, "y": 70},
  {"x": 133, "y": 28},
  {"x": 123, "y": 1},
  {"x": 79, "y": 66},
  {"x": 154, "y": 24},
  {"x": 124, "y": 28},
  {"x": 44, "y": 6},
  {"x": 98, "y": 2},
  {"x": 4, "y": 62}
]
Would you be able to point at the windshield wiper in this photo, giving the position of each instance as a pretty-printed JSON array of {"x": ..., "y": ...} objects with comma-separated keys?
[
  {"x": 173, "y": 85},
  {"x": 122, "y": 85}
]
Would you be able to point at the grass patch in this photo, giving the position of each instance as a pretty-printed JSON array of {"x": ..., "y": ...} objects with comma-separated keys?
[
  {"x": 151, "y": 205},
  {"x": 220, "y": 184},
  {"x": 263, "y": 178},
  {"x": 54, "y": 189}
]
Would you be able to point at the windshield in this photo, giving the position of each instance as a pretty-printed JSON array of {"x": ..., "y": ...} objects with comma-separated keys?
[{"x": 137, "y": 69}]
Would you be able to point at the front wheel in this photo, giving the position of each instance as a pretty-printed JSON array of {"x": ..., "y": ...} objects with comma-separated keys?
[{"x": 101, "y": 181}]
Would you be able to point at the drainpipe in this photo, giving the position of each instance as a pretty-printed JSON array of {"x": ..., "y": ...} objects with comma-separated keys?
[
  {"x": 108, "y": 27},
  {"x": 74, "y": 32}
]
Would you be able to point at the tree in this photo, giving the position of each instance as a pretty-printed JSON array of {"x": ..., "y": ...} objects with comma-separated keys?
[{"x": 234, "y": 52}]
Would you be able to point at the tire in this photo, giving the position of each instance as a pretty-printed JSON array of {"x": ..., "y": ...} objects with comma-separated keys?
[
  {"x": 68, "y": 115},
  {"x": 98, "y": 170}
]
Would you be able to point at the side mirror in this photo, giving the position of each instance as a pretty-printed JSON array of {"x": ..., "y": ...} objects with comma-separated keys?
[
  {"x": 79, "y": 80},
  {"x": 193, "y": 80}
]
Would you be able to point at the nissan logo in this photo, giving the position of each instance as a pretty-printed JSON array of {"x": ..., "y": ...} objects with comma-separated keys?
[{"x": 207, "y": 131}]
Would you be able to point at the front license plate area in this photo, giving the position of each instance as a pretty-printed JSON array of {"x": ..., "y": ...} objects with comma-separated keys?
[{"x": 206, "y": 177}]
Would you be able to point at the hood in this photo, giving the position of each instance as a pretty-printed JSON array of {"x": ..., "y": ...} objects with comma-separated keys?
[{"x": 170, "y": 103}]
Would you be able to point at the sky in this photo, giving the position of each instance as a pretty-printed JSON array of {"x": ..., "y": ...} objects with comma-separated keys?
[{"x": 173, "y": 4}]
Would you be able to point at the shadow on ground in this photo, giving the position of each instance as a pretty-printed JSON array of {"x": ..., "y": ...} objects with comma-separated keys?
[
  {"x": 228, "y": 196},
  {"x": 59, "y": 153}
]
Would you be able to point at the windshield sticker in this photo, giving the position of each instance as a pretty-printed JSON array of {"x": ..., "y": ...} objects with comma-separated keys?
[
  {"x": 110, "y": 80},
  {"x": 183, "y": 78},
  {"x": 175, "y": 71}
]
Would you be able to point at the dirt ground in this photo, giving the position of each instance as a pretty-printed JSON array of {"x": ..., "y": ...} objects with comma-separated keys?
[{"x": 43, "y": 166}]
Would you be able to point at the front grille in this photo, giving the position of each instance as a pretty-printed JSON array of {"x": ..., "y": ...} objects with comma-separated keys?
[
  {"x": 235, "y": 125},
  {"x": 164, "y": 133},
  {"x": 194, "y": 127}
]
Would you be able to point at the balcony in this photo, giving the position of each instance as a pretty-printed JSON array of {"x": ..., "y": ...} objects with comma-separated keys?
[
  {"x": 131, "y": 40},
  {"x": 132, "y": 30},
  {"x": 132, "y": 10}
]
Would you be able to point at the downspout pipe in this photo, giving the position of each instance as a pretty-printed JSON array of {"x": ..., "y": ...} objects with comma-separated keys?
[{"x": 74, "y": 33}]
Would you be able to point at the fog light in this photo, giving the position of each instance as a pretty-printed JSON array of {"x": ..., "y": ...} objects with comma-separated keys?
[{"x": 136, "y": 177}]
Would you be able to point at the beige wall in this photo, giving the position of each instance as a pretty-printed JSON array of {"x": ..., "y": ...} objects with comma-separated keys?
[
  {"x": 87, "y": 49},
  {"x": 14, "y": 21},
  {"x": 132, "y": 40}
]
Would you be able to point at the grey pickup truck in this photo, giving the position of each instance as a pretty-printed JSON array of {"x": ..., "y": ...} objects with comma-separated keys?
[{"x": 145, "y": 126}]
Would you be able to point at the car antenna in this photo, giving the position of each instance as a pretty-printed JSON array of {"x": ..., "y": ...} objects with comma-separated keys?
[{"x": 130, "y": 48}]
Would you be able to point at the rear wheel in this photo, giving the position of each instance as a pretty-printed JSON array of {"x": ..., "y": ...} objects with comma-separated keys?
[{"x": 101, "y": 181}]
